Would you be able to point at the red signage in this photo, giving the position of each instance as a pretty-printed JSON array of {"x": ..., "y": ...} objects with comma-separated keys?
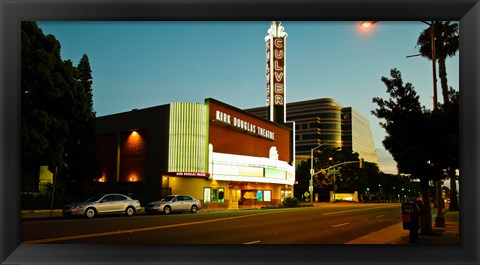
[
  {"x": 268, "y": 71},
  {"x": 276, "y": 71}
]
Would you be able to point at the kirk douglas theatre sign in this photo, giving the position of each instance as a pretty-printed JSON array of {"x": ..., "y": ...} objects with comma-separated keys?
[{"x": 241, "y": 124}]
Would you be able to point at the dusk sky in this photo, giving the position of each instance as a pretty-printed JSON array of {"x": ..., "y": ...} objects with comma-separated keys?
[{"x": 143, "y": 64}]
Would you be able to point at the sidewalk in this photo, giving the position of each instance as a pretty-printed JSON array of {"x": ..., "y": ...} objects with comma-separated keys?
[
  {"x": 450, "y": 234},
  {"x": 40, "y": 214}
]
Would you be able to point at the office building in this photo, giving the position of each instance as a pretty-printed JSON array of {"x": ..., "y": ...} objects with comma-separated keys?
[{"x": 325, "y": 121}]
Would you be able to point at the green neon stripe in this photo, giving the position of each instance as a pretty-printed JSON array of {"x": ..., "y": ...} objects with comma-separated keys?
[{"x": 188, "y": 142}]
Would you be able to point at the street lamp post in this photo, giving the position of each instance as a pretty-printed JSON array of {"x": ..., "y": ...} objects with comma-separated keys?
[
  {"x": 440, "y": 219},
  {"x": 310, "y": 187}
]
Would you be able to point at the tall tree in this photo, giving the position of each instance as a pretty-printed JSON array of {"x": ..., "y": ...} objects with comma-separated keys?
[
  {"x": 43, "y": 84},
  {"x": 446, "y": 45},
  {"x": 407, "y": 139},
  {"x": 446, "y": 126},
  {"x": 82, "y": 162},
  {"x": 58, "y": 122}
]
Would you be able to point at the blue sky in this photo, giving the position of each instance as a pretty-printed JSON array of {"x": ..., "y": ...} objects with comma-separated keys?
[{"x": 144, "y": 64}]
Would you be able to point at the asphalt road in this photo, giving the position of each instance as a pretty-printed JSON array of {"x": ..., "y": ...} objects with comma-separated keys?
[{"x": 334, "y": 224}]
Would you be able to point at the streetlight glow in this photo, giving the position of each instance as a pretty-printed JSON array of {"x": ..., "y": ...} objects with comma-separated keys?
[{"x": 367, "y": 24}]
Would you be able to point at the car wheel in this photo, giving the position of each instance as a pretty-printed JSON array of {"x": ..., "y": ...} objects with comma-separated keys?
[
  {"x": 90, "y": 212},
  {"x": 130, "y": 211},
  {"x": 167, "y": 210},
  {"x": 194, "y": 208}
]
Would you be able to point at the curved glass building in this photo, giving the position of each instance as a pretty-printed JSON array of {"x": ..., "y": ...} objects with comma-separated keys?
[{"x": 326, "y": 122}]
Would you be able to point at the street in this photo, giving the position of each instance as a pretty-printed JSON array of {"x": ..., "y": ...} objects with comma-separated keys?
[{"x": 332, "y": 224}]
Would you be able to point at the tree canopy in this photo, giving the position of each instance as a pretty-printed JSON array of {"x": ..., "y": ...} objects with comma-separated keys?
[
  {"x": 57, "y": 108},
  {"x": 424, "y": 143}
]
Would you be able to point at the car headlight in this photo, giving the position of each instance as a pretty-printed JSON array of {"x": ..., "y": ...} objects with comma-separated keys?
[{"x": 78, "y": 207}]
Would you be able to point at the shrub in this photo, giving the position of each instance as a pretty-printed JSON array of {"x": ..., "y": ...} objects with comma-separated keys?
[{"x": 290, "y": 202}]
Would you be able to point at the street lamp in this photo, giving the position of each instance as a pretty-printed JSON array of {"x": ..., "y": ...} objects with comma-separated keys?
[
  {"x": 334, "y": 181},
  {"x": 440, "y": 219},
  {"x": 367, "y": 24},
  {"x": 310, "y": 187}
]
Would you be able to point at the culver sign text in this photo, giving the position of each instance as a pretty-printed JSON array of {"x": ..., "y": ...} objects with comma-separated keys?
[{"x": 276, "y": 71}]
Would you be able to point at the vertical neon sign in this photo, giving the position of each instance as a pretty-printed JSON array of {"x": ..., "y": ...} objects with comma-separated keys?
[{"x": 275, "y": 41}]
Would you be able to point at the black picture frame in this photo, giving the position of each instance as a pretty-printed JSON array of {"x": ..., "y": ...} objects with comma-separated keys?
[{"x": 14, "y": 11}]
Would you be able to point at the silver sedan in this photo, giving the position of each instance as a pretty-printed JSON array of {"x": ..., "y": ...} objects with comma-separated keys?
[
  {"x": 174, "y": 203},
  {"x": 111, "y": 203}
]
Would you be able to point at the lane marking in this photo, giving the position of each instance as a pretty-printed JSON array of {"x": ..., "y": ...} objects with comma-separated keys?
[
  {"x": 340, "y": 224},
  {"x": 253, "y": 242},
  {"x": 47, "y": 240},
  {"x": 379, "y": 216},
  {"x": 354, "y": 210}
]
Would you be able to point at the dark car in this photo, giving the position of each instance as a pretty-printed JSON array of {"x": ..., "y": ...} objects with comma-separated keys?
[
  {"x": 111, "y": 203},
  {"x": 174, "y": 203}
]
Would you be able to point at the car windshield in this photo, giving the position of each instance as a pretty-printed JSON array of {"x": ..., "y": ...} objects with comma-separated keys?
[
  {"x": 167, "y": 199},
  {"x": 94, "y": 199}
]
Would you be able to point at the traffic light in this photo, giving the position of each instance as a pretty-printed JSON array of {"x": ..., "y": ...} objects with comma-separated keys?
[{"x": 360, "y": 163}]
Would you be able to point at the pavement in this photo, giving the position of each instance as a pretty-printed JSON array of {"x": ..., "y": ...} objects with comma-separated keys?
[{"x": 393, "y": 234}]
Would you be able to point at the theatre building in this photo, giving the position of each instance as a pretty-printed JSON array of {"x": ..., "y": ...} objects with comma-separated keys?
[{"x": 221, "y": 155}]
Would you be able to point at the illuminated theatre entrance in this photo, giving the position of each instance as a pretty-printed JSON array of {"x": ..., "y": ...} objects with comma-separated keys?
[{"x": 250, "y": 157}]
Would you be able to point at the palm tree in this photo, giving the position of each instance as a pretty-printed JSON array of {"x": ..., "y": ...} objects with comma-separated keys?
[{"x": 446, "y": 45}]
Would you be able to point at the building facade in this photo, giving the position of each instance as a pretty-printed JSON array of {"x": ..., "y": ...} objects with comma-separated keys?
[
  {"x": 326, "y": 122},
  {"x": 221, "y": 155}
]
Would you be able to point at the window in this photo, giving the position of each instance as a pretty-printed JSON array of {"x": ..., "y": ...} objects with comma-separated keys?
[
  {"x": 267, "y": 196},
  {"x": 260, "y": 195},
  {"x": 206, "y": 195},
  {"x": 264, "y": 195},
  {"x": 310, "y": 136},
  {"x": 284, "y": 193},
  {"x": 217, "y": 195},
  {"x": 221, "y": 195},
  {"x": 186, "y": 198},
  {"x": 109, "y": 198},
  {"x": 119, "y": 198}
]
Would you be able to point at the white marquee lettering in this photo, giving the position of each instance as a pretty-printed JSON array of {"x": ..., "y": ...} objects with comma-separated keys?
[
  {"x": 244, "y": 125},
  {"x": 223, "y": 117},
  {"x": 279, "y": 43},
  {"x": 278, "y": 88},
  {"x": 278, "y": 76},
  {"x": 278, "y": 100},
  {"x": 277, "y": 66},
  {"x": 278, "y": 54}
]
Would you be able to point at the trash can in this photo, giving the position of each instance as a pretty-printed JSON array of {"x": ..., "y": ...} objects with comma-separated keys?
[{"x": 411, "y": 220}]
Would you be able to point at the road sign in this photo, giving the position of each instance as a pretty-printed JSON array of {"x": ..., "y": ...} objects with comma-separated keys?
[
  {"x": 306, "y": 194},
  {"x": 334, "y": 171},
  {"x": 310, "y": 188}
]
